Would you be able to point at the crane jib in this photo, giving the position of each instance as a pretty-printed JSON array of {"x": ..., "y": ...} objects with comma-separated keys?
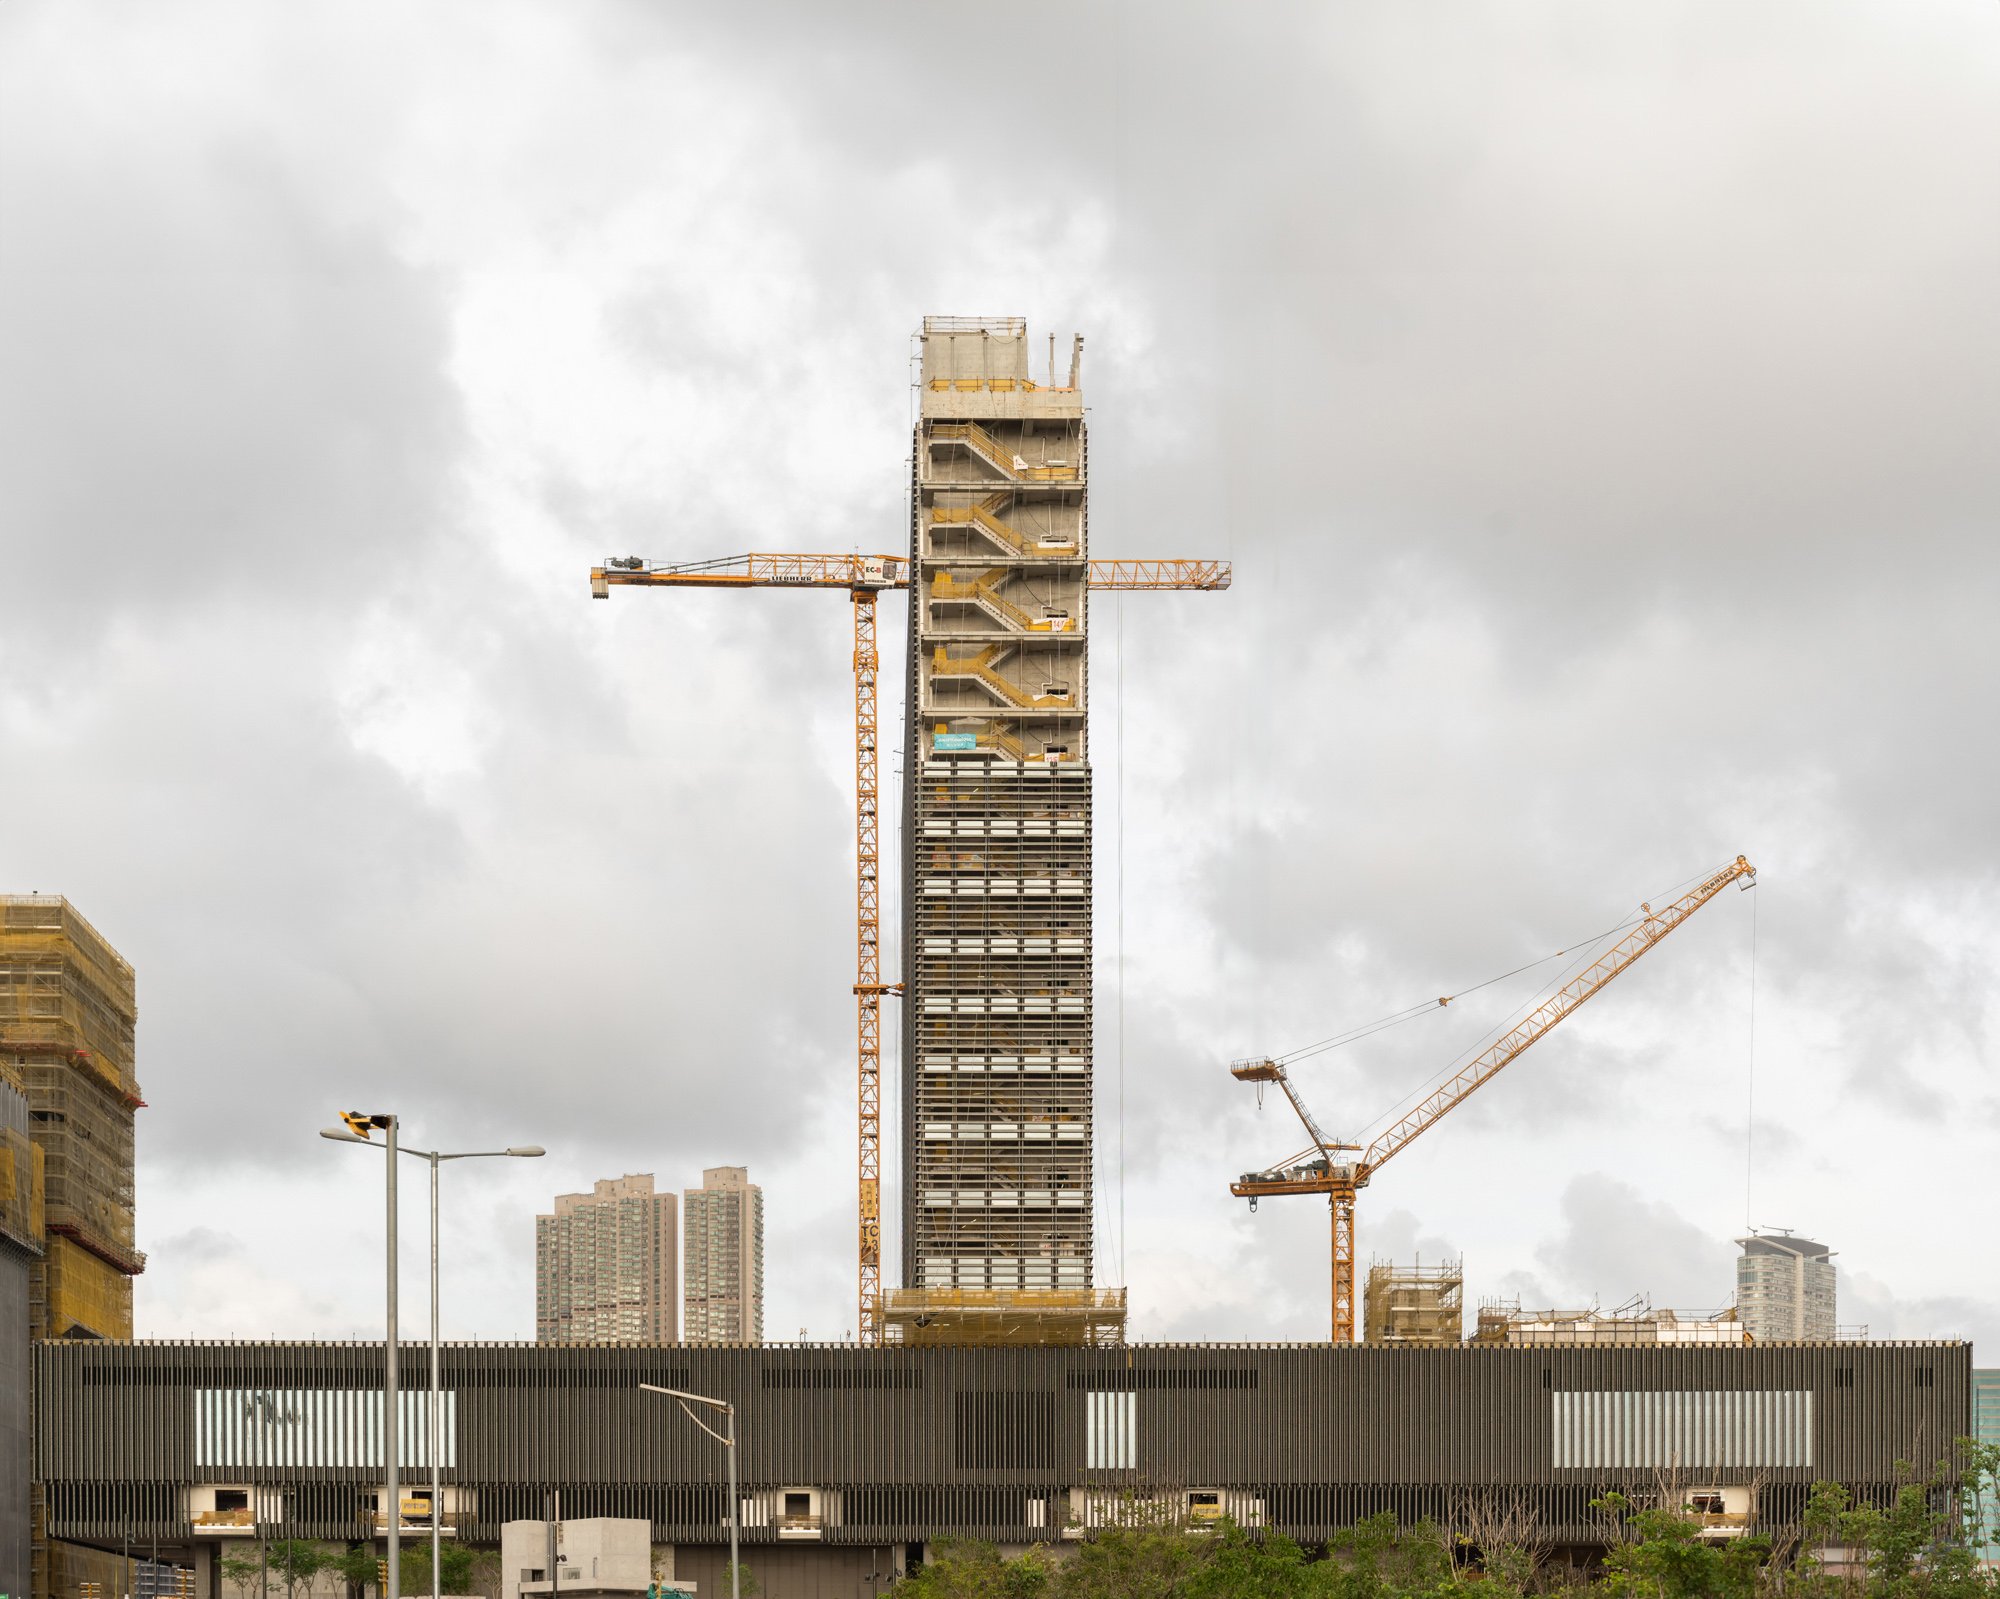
[{"x": 1340, "y": 1182}]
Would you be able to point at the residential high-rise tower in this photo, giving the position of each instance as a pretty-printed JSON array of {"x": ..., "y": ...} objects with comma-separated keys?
[
  {"x": 723, "y": 1276},
  {"x": 605, "y": 1265},
  {"x": 1784, "y": 1288}
]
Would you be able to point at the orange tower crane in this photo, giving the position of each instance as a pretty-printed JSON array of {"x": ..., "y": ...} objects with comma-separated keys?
[
  {"x": 1324, "y": 1166},
  {"x": 863, "y": 577}
]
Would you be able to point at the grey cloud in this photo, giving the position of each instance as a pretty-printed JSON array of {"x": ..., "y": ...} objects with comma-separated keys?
[
  {"x": 1614, "y": 1243},
  {"x": 1594, "y": 413},
  {"x": 216, "y": 387}
]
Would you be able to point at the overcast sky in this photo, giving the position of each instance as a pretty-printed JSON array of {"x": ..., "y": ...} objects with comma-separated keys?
[{"x": 1599, "y": 403}]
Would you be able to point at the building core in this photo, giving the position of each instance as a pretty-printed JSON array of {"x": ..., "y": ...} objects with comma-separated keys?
[
  {"x": 605, "y": 1265},
  {"x": 997, "y": 1080}
]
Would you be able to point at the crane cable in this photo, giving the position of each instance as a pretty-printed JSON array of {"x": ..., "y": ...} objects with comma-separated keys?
[
  {"x": 1589, "y": 948},
  {"x": 1425, "y": 1007}
]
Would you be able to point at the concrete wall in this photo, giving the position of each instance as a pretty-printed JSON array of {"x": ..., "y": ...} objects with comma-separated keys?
[{"x": 598, "y": 1554}]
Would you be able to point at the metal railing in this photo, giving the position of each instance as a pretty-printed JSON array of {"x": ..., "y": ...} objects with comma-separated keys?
[
  {"x": 981, "y": 516},
  {"x": 982, "y": 592},
  {"x": 1001, "y": 458},
  {"x": 980, "y": 666},
  {"x": 997, "y": 386}
]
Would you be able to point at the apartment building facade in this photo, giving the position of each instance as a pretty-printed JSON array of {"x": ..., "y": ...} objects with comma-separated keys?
[
  {"x": 723, "y": 1291},
  {"x": 607, "y": 1264},
  {"x": 1784, "y": 1288}
]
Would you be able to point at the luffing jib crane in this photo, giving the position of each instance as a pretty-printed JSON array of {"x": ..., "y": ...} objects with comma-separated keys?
[
  {"x": 862, "y": 577},
  {"x": 1341, "y": 1170}
]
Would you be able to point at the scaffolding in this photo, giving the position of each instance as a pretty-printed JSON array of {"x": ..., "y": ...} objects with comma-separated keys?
[
  {"x": 1503, "y": 1321},
  {"x": 998, "y": 1170},
  {"x": 1087, "y": 1317},
  {"x": 68, "y": 1010},
  {"x": 1415, "y": 1306},
  {"x": 64, "y": 990},
  {"x": 21, "y": 1184}
]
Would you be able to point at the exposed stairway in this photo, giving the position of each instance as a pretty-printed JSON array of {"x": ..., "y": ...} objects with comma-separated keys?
[
  {"x": 983, "y": 517},
  {"x": 999, "y": 456},
  {"x": 980, "y": 667},
  {"x": 983, "y": 591}
]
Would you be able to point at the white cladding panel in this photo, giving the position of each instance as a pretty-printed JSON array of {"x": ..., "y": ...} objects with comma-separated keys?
[
  {"x": 1109, "y": 1434},
  {"x": 252, "y": 1427},
  {"x": 1759, "y": 1427}
]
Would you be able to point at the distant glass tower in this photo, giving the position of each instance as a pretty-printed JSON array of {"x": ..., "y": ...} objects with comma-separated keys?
[
  {"x": 723, "y": 1288},
  {"x": 605, "y": 1265},
  {"x": 1784, "y": 1288},
  {"x": 1986, "y": 1428}
]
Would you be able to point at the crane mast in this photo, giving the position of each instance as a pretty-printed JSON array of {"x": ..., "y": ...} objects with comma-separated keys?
[
  {"x": 862, "y": 577},
  {"x": 1321, "y": 1171}
]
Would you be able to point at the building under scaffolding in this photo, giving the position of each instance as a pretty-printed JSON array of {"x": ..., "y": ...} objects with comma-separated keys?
[
  {"x": 68, "y": 1008},
  {"x": 997, "y": 1080},
  {"x": 20, "y": 1248},
  {"x": 67, "y": 1011},
  {"x": 1503, "y": 1321},
  {"x": 1414, "y": 1306}
]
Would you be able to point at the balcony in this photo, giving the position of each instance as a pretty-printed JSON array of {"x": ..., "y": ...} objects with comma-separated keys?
[{"x": 810, "y": 1528}]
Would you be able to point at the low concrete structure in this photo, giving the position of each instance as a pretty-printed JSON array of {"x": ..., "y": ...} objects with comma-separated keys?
[{"x": 597, "y": 1557}]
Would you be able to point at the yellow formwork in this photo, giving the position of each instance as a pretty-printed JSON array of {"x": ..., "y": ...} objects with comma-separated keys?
[
  {"x": 70, "y": 1566},
  {"x": 21, "y": 1210},
  {"x": 73, "y": 1294},
  {"x": 987, "y": 1316}
]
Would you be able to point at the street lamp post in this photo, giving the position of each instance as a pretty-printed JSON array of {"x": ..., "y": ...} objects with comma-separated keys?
[
  {"x": 735, "y": 1504},
  {"x": 434, "y": 1436},
  {"x": 355, "y": 1129}
]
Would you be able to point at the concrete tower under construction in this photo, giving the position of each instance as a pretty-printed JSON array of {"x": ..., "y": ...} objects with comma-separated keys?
[{"x": 997, "y": 1080}]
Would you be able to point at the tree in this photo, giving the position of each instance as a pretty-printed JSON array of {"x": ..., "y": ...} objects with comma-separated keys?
[
  {"x": 240, "y": 1571},
  {"x": 1234, "y": 1565},
  {"x": 968, "y": 1569},
  {"x": 353, "y": 1567},
  {"x": 455, "y": 1564},
  {"x": 1663, "y": 1555},
  {"x": 293, "y": 1561}
]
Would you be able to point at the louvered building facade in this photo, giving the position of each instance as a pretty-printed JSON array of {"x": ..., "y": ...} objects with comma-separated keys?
[{"x": 863, "y": 1456}]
